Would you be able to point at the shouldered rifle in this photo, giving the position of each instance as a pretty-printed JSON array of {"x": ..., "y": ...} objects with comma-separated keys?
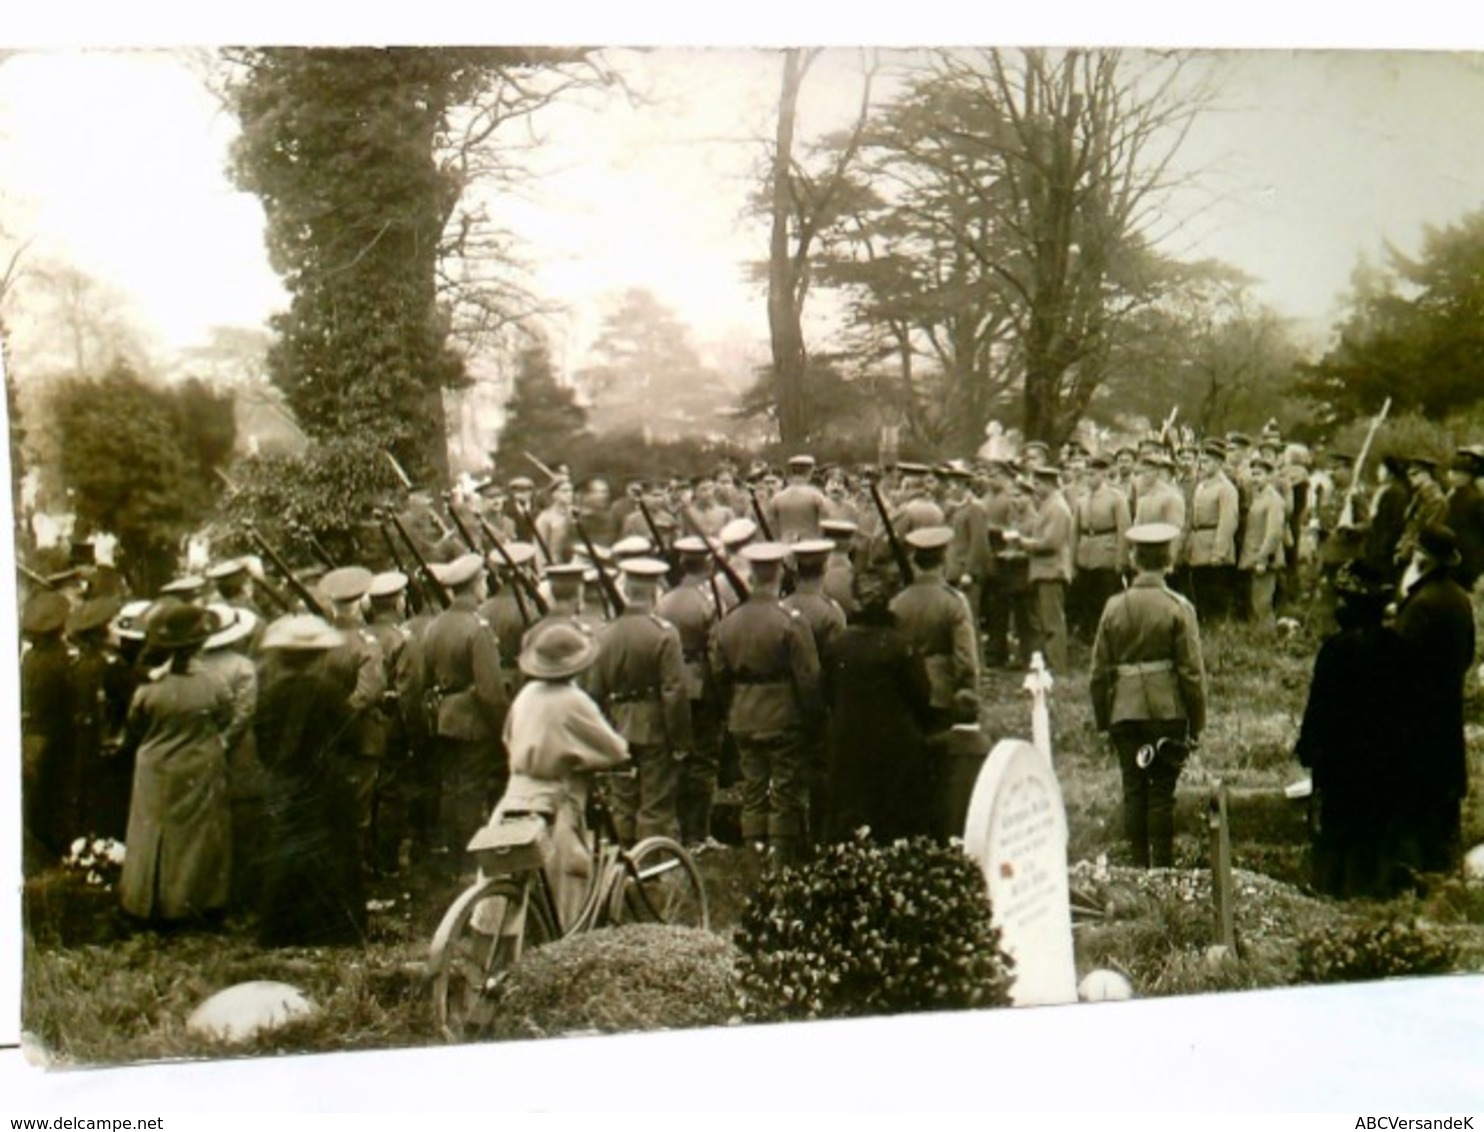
[
  {"x": 430, "y": 580},
  {"x": 734, "y": 579},
  {"x": 33, "y": 577},
  {"x": 611, "y": 597},
  {"x": 414, "y": 583},
  {"x": 898, "y": 551},
  {"x": 517, "y": 577},
  {"x": 313, "y": 543},
  {"x": 757, "y": 513},
  {"x": 1347, "y": 512},
  {"x": 301, "y": 591},
  {"x": 464, "y": 536}
]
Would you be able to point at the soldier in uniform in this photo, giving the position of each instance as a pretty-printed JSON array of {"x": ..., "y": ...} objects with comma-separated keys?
[
  {"x": 711, "y": 512},
  {"x": 554, "y": 525},
  {"x": 1426, "y": 507},
  {"x": 969, "y": 558},
  {"x": 508, "y": 610},
  {"x": 693, "y": 607},
  {"x": 1156, "y": 500},
  {"x": 401, "y": 652},
  {"x": 839, "y": 568},
  {"x": 735, "y": 537},
  {"x": 234, "y": 585},
  {"x": 466, "y": 701},
  {"x": 638, "y": 679},
  {"x": 767, "y": 670},
  {"x": 1211, "y": 542},
  {"x": 1003, "y": 598},
  {"x": 826, "y": 620},
  {"x": 1261, "y": 555},
  {"x": 938, "y": 623},
  {"x": 360, "y": 667},
  {"x": 1102, "y": 518},
  {"x": 1049, "y": 544},
  {"x": 564, "y": 598},
  {"x": 1148, "y": 687},
  {"x": 521, "y": 508},
  {"x": 796, "y": 511},
  {"x": 915, "y": 507}
]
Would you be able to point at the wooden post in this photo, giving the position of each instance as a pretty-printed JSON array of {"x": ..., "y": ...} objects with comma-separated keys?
[{"x": 1221, "y": 868}]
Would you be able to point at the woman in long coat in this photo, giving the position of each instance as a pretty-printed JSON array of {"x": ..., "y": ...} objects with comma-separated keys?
[
  {"x": 311, "y": 877},
  {"x": 877, "y": 692},
  {"x": 178, "y": 862}
]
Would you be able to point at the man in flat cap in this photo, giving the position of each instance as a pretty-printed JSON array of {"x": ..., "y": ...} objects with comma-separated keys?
[
  {"x": 767, "y": 670},
  {"x": 466, "y": 704},
  {"x": 937, "y": 621},
  {"x": 638, "y": 679},
  {"x": 1049, "y": 545},
  {"x": 1148, "y": 689}
]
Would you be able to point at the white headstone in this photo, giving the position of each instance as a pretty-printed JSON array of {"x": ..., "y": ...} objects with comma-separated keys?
[
  {"x": 239, "y": 1012},
  {"x": 1017, "y": 833},
  {"x": 1038, "y": 683}
]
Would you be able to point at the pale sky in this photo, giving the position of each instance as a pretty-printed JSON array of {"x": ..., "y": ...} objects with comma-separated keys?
[{"x": 115, "y": 162}]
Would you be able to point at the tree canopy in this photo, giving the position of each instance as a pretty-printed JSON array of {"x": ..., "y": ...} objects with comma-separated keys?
[{"x": 542, "y": 415}]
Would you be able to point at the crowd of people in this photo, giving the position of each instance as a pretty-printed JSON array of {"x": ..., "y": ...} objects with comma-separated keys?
[{"x": 813, "y": 634}]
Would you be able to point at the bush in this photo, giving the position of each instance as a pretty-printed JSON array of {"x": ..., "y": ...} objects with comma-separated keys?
[
  {"x": 619, "y": 980},
  {"x": 1376, "y": 948},
  {"x": 869, "y": 930}
]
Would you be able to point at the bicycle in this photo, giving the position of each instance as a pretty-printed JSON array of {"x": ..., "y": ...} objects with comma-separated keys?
[{"x": 510, "y": 908}]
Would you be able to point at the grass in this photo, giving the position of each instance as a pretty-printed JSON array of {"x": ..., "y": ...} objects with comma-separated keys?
[{"x": 94, "y": 993}]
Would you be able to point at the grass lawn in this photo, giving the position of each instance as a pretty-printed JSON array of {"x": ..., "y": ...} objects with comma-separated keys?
[{"x": 95, "y": 992}]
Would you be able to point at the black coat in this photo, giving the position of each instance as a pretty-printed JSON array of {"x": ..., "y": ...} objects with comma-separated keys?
[
  {"x": 1466, "y": 520},
  {"x": 48, "y": 759},
  {"x": 877, "y": 692},
  {"x": 1435, "y": 622},
  {"x": 1353, "y": 735},
  {"x": 1387, "y": 526}
]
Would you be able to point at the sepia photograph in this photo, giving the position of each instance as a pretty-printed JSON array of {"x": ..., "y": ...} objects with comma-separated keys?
[{"x": 523, "y": 547}]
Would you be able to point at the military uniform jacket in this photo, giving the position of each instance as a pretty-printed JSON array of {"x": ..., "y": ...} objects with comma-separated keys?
[
  {"x": 638, "y": 679},
  {"x": 968, "y": 553},
  {"x": 1162, "y": 503},
  {"x": 1102, "y": 518},
  {"x": 839, "y": 580},
  {"x": 692, "y": 610},
  {"x": 937, "y": 622},
  {"x": 402, "y": 655},
  {"x": 1049, "y": 542},
  {"x": 1428, "y": 507},
  {"x": 557, "y": 532},
  {"x": 821, "y": 613},
  {"x": 1262, "y": 538},
  {"x": 767, "y": 668},
  {"x": 1214, "y": 509},
  {"x": 503, "y": 614},
  {"x": 915, "y": 514},
  {"x": 461, "y": 661},
  {"x": 1146, "y": 659},
  {"x": 796, "y": 512}
]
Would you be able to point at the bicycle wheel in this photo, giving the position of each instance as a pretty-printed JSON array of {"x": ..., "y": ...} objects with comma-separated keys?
[
  {"x": 483, "y": 933},
  {"x": 657, "y": 882}
]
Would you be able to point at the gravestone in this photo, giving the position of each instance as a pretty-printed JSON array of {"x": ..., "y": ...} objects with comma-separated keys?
[{"x": 1017, "y": 833}]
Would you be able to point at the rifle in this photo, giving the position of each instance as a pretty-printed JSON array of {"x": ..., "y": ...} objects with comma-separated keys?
[
  {"x": 1347, "y": 512},
  {"x": 554, "y": 477},
  {"x": 464, "y": 536},
  {"x": 515, "y": 586},
  {"x": 414, "y": 583},
  {"x": 33, "y": 577},
  {"x": 430, "y": 580},
  {"x": 301, "y": 591},
  {"x": 313, "y": 543},
  {"x": 518, "y": 579},
  {"x": 757, "y": 512},
  {"x": 739, "y": 587},
  {"x": 611, "y": 597},
  {"x": 898, "y": 551}
]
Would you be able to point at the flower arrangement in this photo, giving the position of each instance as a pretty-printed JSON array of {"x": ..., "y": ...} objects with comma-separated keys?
[{"x": 98, "y": 860}]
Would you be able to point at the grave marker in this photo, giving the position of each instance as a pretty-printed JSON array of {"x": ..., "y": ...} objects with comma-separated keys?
[
  {"x": 1221, "y": 868},
  {"x": 1017, "y": 833}
]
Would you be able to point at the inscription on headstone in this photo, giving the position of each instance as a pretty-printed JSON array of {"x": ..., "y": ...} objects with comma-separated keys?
[{"x": 1017, "y": 833}]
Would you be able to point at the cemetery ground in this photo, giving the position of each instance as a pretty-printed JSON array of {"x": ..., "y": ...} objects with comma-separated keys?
[{"x": 96, "y": 993}]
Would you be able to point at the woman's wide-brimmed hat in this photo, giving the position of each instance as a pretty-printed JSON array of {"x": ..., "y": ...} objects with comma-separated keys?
[
  {"x": 557, "y": 651},
  {"x": 179, "y": 625},
  {"x": 236, "y": 625}
]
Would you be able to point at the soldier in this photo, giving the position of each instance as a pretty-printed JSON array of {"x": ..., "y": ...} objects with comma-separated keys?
[
  {"x": 937, "y": 621},
  {"x": 710, "y": 511},
  {"x": 638, "y": 679},
  {"x": 1004, "y": 599},
  {"x": 595, "y": 508},
  {"x": 839, "y": 568},
  {"x": 1155, "y": 499},
  {"x": 509, "y": 610},
  {"x": 767, "y": 671},
  {"x": 1049, "y": 544},
  {"x": 1211, "y": 542},
  {"x": 1262, "y": 543},
  {"x": 493, "y": 509},
  {"x": 1102, "y": 518},
  {"x": 360, "y": 668},
  {"x": 826, "y": 620},
  {"x": 234, "y": 585},
  {"x": 521, "y": 508},
  {"x": 401, "y": 651},
  {"x": 1426, "y": 507},
  {"x": 969, "y": 558},
  {"x": 838, "y": 505},
  {"x": 915, "y": 508},
  {"x": 466, "y": 704},
  {"x": 554, "y": 528},
  {"x": 46, "y": 730},
  {"x": 735, "y": 537},
  {"x": 796, "y": 511},
  {"x": 693, "y": 607},
  {"x": 1148, "y": 687}
]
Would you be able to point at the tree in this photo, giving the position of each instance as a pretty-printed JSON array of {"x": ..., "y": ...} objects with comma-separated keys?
[
  {"x": 542, "y": 416},
  {"x": 646, "y": 375},
  {"x": 140, "y": 461},
  {"x": 361, "y": 158},
  {"x": 1414, "y": 332}
]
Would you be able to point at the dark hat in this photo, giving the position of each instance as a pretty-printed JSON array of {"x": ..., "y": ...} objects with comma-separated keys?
[
  {"x": 1440, "y": 544},
  {"x": 1465, "y": 461},
  {"x": 1261, "y": 465},
  {"x": 179, "y": 624},
  {"x": 1048, "y": 472},
  {"x": 1215, "y": 448},
  {"x": 929, "y": 538},
  {"x": 348, "y": 583},
  {"x": 1359, "y": 579},
  {"x": 557, "y": 650},
  {"x": 45, "y": 612},
  {"x": 1156, "y": 458},
  {"x": 1124, "y": 450},
  {"x": 1099, "y": 463},
  {"x": 1423, "y": 460},
  {"x": 999, "y": 467},
  {"x": 1039, "y": 445},
  {"x": 1239, "y": 439},
  {"x": 93, "y": 614}
]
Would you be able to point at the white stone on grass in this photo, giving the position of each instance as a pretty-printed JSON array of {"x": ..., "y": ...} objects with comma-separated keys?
[
  {"x": 240, "y": 1012},
  {"x": 1103, "y": 985}
]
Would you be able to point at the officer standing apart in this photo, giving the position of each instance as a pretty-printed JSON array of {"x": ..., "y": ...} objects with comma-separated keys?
[
  {"x": 767, "y": 670},
  {"x": 638, "y": 679},
  {"x": 1148, "y": 686}
]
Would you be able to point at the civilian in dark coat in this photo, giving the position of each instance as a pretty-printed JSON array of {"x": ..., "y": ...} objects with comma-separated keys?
[
  {"x": 1466, "y": 515},
  {"x": 47, "y": 762},
  {"x": 1435, "y": 621},
  {"x": 1388, "y": 516},
  {"x": 878, "y": 695},
  {"x": 1352, "y": 739},
  {"x": 311, "y": 874}
]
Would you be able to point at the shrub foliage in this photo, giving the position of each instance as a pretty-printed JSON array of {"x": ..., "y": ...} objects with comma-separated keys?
[
  {"x": 869, "y": 930},
  {"x": 1375, "y": 948}
]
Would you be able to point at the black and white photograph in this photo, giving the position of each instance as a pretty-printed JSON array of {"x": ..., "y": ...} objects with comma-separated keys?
[{"x": 525, "y": 546}]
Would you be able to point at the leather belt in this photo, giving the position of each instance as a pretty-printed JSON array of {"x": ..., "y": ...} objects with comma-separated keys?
[{"x": 1146, "y": 668}]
